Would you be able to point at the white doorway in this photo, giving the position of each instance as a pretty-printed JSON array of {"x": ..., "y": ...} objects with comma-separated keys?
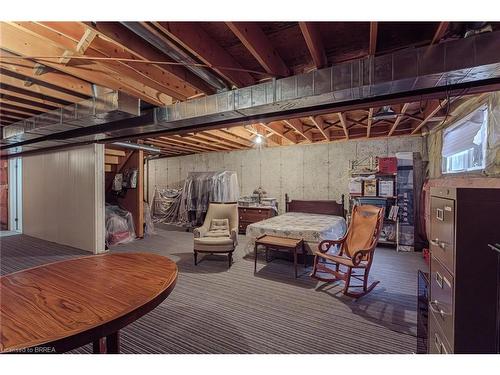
[{"x": 15, "y": 195}]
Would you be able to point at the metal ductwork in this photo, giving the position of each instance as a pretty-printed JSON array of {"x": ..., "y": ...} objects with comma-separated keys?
[
  {"x": 106, "y": 106},
  {"x": 442, "y": 67},
  {"x": 136, "y": 146},
  {"x": 176, "y": 53}
]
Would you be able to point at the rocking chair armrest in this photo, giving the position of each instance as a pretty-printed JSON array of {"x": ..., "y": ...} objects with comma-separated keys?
[
  {"x": 358, "y": 256},
  {"x": 329, "y": 243}
]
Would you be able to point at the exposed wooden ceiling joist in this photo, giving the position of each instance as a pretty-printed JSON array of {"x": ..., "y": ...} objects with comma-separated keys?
[
  {"x": 30, "y": 96},
  {"x": 21, "y": 41},
  {"x": 278, "y": 129},
  {"x": 343, "y": 121},
  {"x": 399, "y": 118},
  {"x": 181, "y": 80},
  {"x": 28, "y": 68},
  {"x": 370, "y": 119},
  {"x": 254, "y": 39},
  {"x": 200, "y": 140},
  {"x": 199, "y": 43},
  {"x": 436, "y": 108},
  {"x": 298, "y": 126},
  {"x": 440, "y": 32},
  {"x": 320, "y": 124},
  {"x": 25, "y": 104},
  {"x": 372, "y": 49},
  {"x": 314, "y": 43}
]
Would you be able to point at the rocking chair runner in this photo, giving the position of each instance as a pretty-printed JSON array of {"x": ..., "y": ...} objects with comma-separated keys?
[{"x": 356, "y": 252}]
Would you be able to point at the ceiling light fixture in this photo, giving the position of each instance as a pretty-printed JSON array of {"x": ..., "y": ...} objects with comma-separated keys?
[
  {"x": 258, "y": 139},
  {"x": 385, "y": 112}
]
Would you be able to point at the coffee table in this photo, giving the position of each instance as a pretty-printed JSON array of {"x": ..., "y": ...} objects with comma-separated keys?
[{"x": 280, "y": 243}]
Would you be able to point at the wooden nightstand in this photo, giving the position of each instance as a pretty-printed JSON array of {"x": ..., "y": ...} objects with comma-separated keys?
[{"x": 249, "y": 215}]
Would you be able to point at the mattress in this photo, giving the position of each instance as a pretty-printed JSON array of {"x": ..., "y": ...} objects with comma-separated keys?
[{"x": 312, "y": 228}]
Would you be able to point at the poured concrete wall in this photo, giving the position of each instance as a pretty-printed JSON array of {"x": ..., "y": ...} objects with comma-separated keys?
[{"x": 314, "y": 171}]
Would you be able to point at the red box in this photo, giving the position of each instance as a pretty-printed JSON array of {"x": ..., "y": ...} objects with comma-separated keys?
[{"x": 387, "y": 165}]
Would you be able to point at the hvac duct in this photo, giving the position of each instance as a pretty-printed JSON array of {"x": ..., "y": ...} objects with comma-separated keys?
[
  {"x": 442, "y": 67},
  {"x": 135, "y": 146}
]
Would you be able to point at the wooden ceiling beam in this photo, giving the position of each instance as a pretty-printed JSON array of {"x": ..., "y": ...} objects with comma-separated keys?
[
  {"x": 175, "y": 145},
  {"x": 192, "y": 37},
  {"x": 30, "y": 96},
  {"x": 254, "y": 39},
  {"x": 399, "y": 118},
  {"x": 320, "y": 125},
  {"x": 370, "y": 120},
  {"x": 16, "y": 80},
  {"x": 440, "y": 32},
  {"x": 168, "y": 147},
  {"x": 17, "y": 109},
  {"x": 103, "y": 48},
  {"x": 234, "y": 139},
  {"x": 15, "y": 115},
  {"x": 437, "y": 107},
  {"x": 195, "y": 143},
  {"x": 84, "y": 43},
  {"x": 28, "y": 69},
  {"x": 22, "y": 41},
  {"x": 25, "y": 104},
  {"x": 372, "y": 49},
  {"x": 278, "y": 129},
  {"x": 314, "y": 43},
  {"x": 298, "y": 126},
  {"x": 343, "y": 121},
  {"x": 178, "y": 78},
  {"x": 8, "y": 118},
  {"x": 214, "y": 142}
]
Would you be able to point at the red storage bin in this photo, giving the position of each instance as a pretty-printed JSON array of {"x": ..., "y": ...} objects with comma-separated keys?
[{"x": 387, "y": 165}]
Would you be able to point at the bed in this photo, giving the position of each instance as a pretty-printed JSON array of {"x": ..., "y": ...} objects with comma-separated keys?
[{"x": 311, "y": 220}]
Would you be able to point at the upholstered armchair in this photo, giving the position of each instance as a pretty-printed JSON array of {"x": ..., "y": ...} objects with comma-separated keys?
[{"x": 219, "y": 232}]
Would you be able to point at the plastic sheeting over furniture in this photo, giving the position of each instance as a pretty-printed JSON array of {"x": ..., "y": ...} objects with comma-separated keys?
[
  {"x": 200, "y": 188},
  {"x": 119, "y": 226}
]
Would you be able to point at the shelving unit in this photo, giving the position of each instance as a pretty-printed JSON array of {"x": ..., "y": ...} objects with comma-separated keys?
[{"x": 390, "y": 230}]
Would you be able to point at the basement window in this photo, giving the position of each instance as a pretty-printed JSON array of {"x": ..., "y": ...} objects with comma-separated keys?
[{"x": 464, "y": 143}]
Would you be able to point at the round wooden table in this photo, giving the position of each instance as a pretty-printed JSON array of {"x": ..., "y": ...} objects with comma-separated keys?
[{"x": 60, "y": 306}]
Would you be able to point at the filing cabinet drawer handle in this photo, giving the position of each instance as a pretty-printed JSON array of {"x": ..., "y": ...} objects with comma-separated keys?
[
  {"x": 439, "y": 280},
  {"x": 436, "y": 309},
  {"x": 437, "y": 342},
  {"x": 440, "y": 214}
]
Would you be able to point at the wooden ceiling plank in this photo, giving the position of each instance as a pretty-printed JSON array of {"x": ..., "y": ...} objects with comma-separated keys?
[
  {"x": 430, "y": 115},
  {"x": 370, "y": 120},
  {"x": 84, "y": 43},
  {"x": 194, "y": 142},
  {"x": 173, "y": 145},
  {"x": 20, "y": 41},
  {"x": 192, "y": 37},
  {"x": 15, "y": 115},
  {"x": 343, "y": 121},
  {"x": 440, "y": 32},
  {"x": 257, "y": 43},
  {"x": 399, "y": 118},
  {"x": 8, "y": 118},
  {"x": 298, "y": 126},
  {"x": 372, "y": 49},
  {"x": 320, "y": 124},
  {"x": 314, "y": 43}
]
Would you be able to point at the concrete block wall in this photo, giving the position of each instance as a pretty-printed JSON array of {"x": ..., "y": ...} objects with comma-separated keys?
[{"x": 313, "y": 171}]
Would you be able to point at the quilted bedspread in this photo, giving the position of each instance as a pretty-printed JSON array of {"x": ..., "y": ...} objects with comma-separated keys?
[{"x": 312, "y": 228}]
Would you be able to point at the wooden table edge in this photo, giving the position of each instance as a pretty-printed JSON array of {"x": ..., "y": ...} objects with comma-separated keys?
[{"x": 88, "y": 335}]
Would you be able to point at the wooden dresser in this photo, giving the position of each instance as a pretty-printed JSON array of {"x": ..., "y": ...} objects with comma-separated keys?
[
  {"x": 464, "y": 270},
  {"x": 249, "y": 215}
]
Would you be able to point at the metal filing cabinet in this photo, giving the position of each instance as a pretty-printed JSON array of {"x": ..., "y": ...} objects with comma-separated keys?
[{"x": 463, "y": 270}]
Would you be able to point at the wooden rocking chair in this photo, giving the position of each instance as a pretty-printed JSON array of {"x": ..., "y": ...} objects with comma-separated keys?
[{"x": 356, "y": 251}]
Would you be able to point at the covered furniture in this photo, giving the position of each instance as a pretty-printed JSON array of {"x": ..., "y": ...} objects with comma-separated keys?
[
  {"x": 355, "y": 251},
  {"x": 218, "y": 234}
]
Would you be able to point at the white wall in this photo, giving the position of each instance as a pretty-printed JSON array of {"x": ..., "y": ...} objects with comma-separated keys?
[
  {"x": 63, "y": 197},
  {"x": 314, "y": 171}
]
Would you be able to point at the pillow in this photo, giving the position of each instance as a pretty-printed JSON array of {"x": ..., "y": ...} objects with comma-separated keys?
[{"x": 218, "y": 228}]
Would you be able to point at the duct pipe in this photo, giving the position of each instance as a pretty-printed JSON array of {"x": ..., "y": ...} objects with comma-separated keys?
[
  {"x": 136, "y": 146},
  {"x": 176, "y": 53}
]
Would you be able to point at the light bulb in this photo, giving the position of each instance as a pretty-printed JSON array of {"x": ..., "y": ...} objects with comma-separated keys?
[{"x": 258, "y": 139}]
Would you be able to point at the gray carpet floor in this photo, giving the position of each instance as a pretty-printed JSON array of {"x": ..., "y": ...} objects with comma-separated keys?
[{"x": 214, "y": 309}]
